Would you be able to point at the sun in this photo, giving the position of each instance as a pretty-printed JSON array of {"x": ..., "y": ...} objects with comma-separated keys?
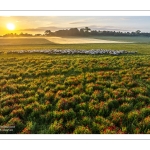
[{"x": 10, "y": 26}]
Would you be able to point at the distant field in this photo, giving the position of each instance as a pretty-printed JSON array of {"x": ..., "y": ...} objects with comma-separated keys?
[
  {"x": 72, "y": 40},
  {"x": 143, "y": 48},
  {"x": 23, "y": 41},
  {"x": 99, "y": 39},
  {"x": 78, "y": 40},
  {"x": 57, "y": 40},
  {"x": 136, "y": 39}
]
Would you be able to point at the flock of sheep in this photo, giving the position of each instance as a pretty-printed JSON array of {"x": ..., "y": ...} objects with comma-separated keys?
[{"x": 72, "y": 51}]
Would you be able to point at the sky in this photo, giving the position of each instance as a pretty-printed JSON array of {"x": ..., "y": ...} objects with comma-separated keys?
[{"x": 38, "y": 24}]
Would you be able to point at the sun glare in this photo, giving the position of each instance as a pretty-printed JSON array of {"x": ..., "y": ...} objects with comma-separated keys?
[{"x": 10, "y": 26}]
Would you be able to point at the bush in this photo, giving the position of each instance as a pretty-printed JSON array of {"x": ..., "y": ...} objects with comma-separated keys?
[
  {"x": 82, "y": 130},
  {"x": 56, "y": 127},
  {"x": 17, "y": 122}
]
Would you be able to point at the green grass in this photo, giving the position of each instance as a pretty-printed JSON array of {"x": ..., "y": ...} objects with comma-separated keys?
[
  {"x": 23, "y": 41},
  {"x": 140, "y": 48},
  {"x": 135, "y": 39}
]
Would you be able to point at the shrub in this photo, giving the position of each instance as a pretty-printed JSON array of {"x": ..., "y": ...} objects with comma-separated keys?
[
  {"x": 17, "y": 122},
  {"x": 133, "y": 115},
  {"x": 28, "y": 128},
  {"x": 2, "y": 119},
  {"x": 17, "y": 113},
  {"x": 125, "y": 107},
  {"x": 117, "y": 117},
  {"x": 56, "y": 127},
  {"x": 81, "y": 106},
  {"x": 86, "y": 120},
  {"x": 6, "y": 110},
  {"x": 145, "y": 111},
  {"x": 82, "y": 130},
  {"x": 70, "y": 125}
]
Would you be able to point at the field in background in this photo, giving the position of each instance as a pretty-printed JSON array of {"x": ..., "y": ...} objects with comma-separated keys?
[
  {"x": 99, "y": 39},
  {"x": 72, "y": 40},
  {"x": 134, "y": 39},
  {"x": 143, "y": 48},
  {"x": 58, "y": 40},
  {"x": 78, "y": 40},
  {"x": 23, "y": 41}
]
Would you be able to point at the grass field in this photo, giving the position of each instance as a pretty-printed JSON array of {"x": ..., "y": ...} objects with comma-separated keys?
[
  {"x": 99, "y": 39},
  {"x": 79, "y": 40},
  {"x": 23, "y": 41},
  {"x": 72, "y": 40},
  {"x": 134, "y": 39},
  {"x": 95, "y": 94},
  {"x": 141, "y": 48}
]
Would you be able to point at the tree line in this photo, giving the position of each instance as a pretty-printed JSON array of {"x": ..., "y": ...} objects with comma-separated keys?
[{"x": 80, "y": 32}]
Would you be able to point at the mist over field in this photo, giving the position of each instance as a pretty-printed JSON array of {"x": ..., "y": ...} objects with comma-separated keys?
[
  {"x": 78, "y": 40},
  {"x": 71, "y": 40}
]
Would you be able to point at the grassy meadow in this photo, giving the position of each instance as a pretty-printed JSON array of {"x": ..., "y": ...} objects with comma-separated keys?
[
  {"x": 75, "y": 94},
  {"x": 99, "y": 39},
  {"x": 134, "y": 39},
  {"x": 72, "y": 40},
  {"x": 23, "y": 41}
]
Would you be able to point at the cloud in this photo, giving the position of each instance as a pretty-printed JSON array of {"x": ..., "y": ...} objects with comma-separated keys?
[
  {"x": 92, "y": 27},
  {"x": 52, "y": 28},
  {"x": 124, "y": 18},
  {"x": 77, "y": 22},
  {"x": 108, "y": 28}
]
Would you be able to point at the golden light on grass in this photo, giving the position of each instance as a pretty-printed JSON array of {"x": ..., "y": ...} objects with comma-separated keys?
[{"x": 10, "y": 26}]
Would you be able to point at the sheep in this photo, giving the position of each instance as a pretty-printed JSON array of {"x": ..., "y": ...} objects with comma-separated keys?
[{"x": 69, "y": 51}]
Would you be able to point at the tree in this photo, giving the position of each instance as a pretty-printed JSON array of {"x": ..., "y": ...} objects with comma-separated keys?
[
  {"x": 87, "y": 29},
  {"x": 138, "y": 32},
  {"x": 94, "y": 32},
  {"x": 48, "y": 32},
  {"x": 81, "y": 31},
  {"x": 38, "y": 34},
  {"x": 74, "y": 31},
  {"x": 61, "y": 33}
]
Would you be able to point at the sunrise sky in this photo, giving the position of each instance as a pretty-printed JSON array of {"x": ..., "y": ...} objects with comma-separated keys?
[{"x": 38, "y": 24}]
